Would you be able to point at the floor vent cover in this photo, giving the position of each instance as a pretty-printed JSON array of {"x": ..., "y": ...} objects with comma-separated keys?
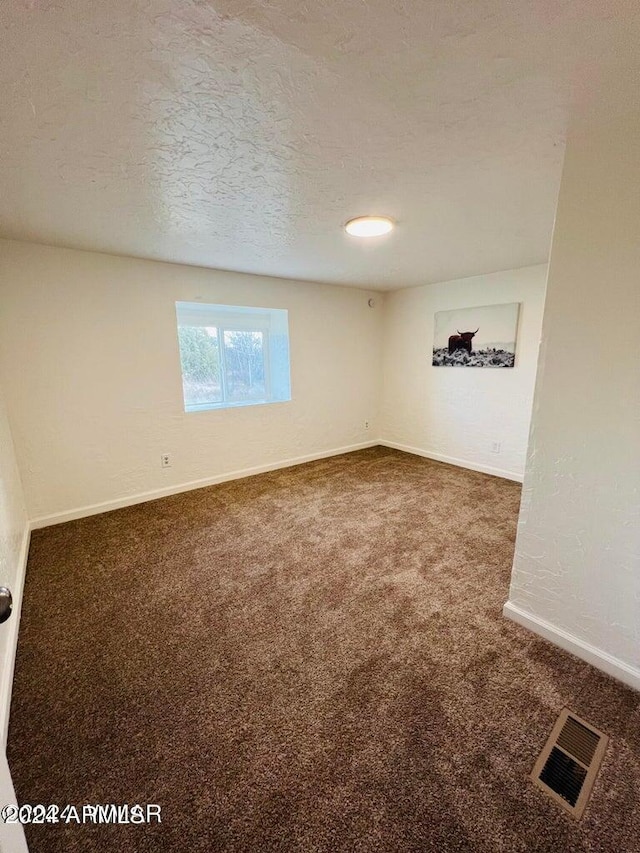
[{"x": 569, "y": 763}]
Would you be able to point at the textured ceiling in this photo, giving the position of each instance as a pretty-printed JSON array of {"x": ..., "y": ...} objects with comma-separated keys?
[{"x": 240, "y": 135}]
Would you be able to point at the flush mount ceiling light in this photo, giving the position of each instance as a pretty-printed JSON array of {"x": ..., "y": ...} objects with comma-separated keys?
[{"x": 369, "y": 226}]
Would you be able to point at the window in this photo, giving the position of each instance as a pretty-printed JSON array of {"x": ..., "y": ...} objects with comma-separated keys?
[{"x": 232, "y": 356}]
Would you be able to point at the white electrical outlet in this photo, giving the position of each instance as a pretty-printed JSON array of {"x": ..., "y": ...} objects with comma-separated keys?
[
  {"x": 496, "y": 446},
  {"x": 165, "y": 460},
  {"x": 366, "y": 424}
]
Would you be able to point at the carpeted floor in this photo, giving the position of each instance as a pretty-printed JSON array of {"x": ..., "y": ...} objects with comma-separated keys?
[{"x": 308, "y": 660}]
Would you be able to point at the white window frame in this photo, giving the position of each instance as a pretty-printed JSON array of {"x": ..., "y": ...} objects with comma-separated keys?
[{"x": 230, "y": 318}]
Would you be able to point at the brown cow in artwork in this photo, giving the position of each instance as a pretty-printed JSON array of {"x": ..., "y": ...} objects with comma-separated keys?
[{"x": 462, "y": 341}]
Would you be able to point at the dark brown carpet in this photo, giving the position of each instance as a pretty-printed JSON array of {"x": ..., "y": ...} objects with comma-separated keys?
[{"x": 308, "y": 660}]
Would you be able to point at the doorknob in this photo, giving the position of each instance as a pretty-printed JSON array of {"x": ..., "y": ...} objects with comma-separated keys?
[{"x": 6, "y": 603}]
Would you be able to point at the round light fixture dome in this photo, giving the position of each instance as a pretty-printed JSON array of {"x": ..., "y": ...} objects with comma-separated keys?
[{"x": 369, "y": 226}]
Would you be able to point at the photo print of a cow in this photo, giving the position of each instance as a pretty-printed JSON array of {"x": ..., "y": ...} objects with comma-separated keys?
[{"x": 476, "y": 337}]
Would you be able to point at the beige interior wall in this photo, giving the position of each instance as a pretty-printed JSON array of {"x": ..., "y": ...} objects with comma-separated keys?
[
  {"x": 456, "y": 414},
  {"x": 90, "y": 364},
  {"x": 577, "y": 565}
]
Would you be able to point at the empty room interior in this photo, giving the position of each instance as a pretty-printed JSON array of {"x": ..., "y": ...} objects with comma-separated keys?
[{"x": 320, "y": 426}]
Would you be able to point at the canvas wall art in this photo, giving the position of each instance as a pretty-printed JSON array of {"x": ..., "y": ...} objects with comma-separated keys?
[{"x": 476, "y": 337}]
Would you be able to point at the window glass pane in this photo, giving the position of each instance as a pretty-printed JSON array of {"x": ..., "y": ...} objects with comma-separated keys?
[
  {"x": 233, "y": 355},
  {"x": 244, "y": 366},
  {"x": 200, "y": 360}
]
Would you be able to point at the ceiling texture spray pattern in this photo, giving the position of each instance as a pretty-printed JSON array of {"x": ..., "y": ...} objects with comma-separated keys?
[{"x": 242, "y": 135}]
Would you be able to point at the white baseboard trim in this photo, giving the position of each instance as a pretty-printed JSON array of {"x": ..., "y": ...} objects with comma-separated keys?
[
  {"x": 142, "y": 497},
  {"x": 12, "y": 839},
  {"x": 450, "y": 460},
  {"x": 12, "y": 626},
  {"x": 601, "y": 660}
]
